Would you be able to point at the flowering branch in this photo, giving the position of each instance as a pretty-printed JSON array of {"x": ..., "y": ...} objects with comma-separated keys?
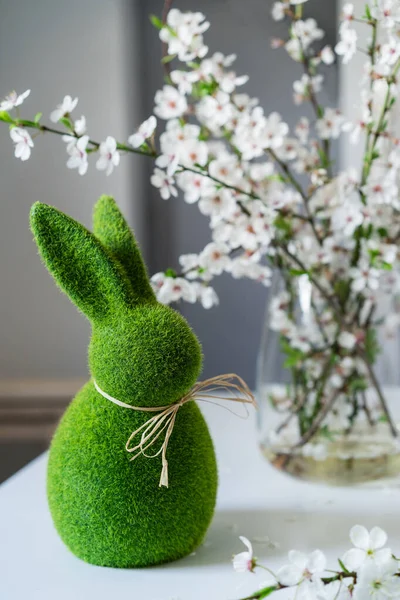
[
  {"x": 275, "y": 201},
  {"x": 368, "y": 570}
]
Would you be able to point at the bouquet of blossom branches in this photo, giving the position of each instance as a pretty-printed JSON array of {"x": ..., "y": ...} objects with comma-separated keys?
[
  {"x": 368, "y": 570},
  {"x": 276, "y": 201}
]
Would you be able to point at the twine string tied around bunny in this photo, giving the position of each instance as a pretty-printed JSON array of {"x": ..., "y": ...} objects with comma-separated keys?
[{"x": 229, "y": 387}]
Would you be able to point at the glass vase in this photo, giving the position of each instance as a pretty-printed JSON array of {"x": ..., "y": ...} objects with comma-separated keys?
[{"x": 331, "y": 416}]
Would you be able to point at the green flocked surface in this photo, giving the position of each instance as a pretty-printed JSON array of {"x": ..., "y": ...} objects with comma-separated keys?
[{"x": 110, "y": 511}]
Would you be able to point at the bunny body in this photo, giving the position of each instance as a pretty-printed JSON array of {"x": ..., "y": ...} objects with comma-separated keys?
[{"x": 108, "y": 510}]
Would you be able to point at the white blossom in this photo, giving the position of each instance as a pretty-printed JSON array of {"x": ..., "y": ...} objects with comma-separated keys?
[
  {"x": 347, "y": 46},
  {"x": 215, "y": 111},
  {"x": 184, "y": 35},
  {"x": 193, "y": 152},
  {"x": 214, "y": 258},
  {"x": 336, "y": 590},
  {"x": 216, "y": 68},
  {"x": 348, "y": 11},
  {"x": 184, "y": 80},
  {"x": 246, "y": 266},
  {"x": 23, "y": 142},
  {"x": 13, "y": 100},
  {"x": 293, "y": 48},
  {"x": 369, "y": 547},
  {"x": 170, "y": 162},
  {"x": 347, "y": 218},
  {"x": 306, "y": 85},
  {"x": 244, "y": 561},
  {"x": 347, "y": 340},
  {"x": 144, "y": 132},
  {"x": 364, "y": 277},
  {"x": 109, "y": 155},
  {"x": 302, "y": 567},
  {"x": 330, "y": 125},
  {"x": 226, "y": 168},
  {"x": 165, "y": 183},
  {"x": 338, "y": 419},
  {"x": 194, "y": 185},
  {"x": 381, "y": 190},
  {"x": 80, "y": 126},
  {"x": 327, "y": 55},
  {"x": 78, "y": 156},
  {"x": 278, "y": 10},
  {"x": 207, "y": 296},
  {"x": 389, "y": 53},
  {"x": 307, "y": 32},
  {"x": 219, "y": 204},
  {"x": 377, "y": 581},
  {"x": 64, "y": 109},
  {"x": 302, "y": 130},
  {"x": 172, "y": 289},
  {"x": 274, "y": 131},
  {"x": 386, "y": 11},
  {"x": 169, "y": 103}
]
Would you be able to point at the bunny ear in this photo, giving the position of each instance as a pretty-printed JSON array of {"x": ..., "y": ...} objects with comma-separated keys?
[
  {"x": 110, "y": 227},
  {"x": 79, "y": 263}
]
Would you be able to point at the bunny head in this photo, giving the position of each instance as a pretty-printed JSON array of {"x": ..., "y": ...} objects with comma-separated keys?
[{"x": 141, "y": 352}]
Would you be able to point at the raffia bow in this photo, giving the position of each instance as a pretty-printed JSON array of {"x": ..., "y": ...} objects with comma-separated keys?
[{"x": 163, "y": 422}]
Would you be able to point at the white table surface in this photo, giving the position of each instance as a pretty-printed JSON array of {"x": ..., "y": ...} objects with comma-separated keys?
[{"x": 254, "y": 500}]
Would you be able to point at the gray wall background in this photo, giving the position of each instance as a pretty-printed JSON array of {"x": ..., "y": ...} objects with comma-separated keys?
[
  {"x": 55, "y": 47},
  {"x": 107, "y": 53}
]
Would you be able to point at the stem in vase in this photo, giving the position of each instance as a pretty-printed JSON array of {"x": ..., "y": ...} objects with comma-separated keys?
[
  {"x": 378, "y": 390},
  {"x": 318, "y": 420}
]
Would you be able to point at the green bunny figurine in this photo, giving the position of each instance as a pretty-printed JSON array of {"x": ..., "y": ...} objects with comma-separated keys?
[{"x": 108, "y": 510}]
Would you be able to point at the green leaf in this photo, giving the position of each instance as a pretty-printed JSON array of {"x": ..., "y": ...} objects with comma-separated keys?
[
  {"x": 324, "y": 432},
  {"x": 386, "y": 266},
  {"x": 170, "y": 273},
  {"x": 37, "y": 118},
  {"x": 368, "y": 230},
  {"x": 204, "y": 134},
  {"x": 158, "y": 24},
  {"x": 294, "y": 355},
  {"x": 342, "y": 566},
  {"x": 282, "y": 224},
  {"x": 66, "y": 122},
  {"x": 266, "y": 591},
  {"x": 293, "y": 360},
  {"x": 298, "y": 272},
  {"x": 375, "y": 154},
  {"x": 358, "y": 384},
  {"x": 373, "y": 255},
  {"x": 383, "y": 232},
  {"x": 167, "y": 59},
  {"x": 4, "y": 116},
  {"x": 204, "y": 88},
  {"x": 368, "y": 12}
]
